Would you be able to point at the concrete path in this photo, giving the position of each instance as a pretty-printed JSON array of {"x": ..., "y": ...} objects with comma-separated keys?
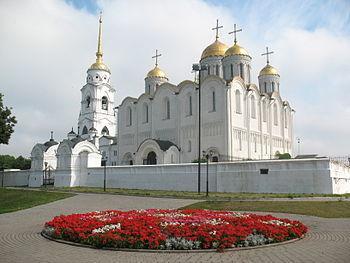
[{"x": 20, "y": 241}]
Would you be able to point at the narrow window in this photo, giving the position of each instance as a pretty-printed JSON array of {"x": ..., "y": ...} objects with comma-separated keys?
[
  {"x": 189, "y": 146},
  {"x": 217, "y": 70},
  {"x": 253, "y": 111},
  {"x": 190, "y": 105},
  {"x": 238, "y": 101},
  {"x": 105, "y": 131},
  {"x": 241, "y": 70},
  {"x": 104, "y": 103},
  {"x": 213, "y": 101},
  {"x": 265, "y": 87},
  {"x": 145, "y": 113},
  {"x": 88, "y": 100},
  {"x": 273, "y": 86},
  {"x": 231, "y": 71},
  {"x": 167, "y": 108},
  {"x": 128, "y": 116},
  {"x": 208, "y": 70},
  {"x": 275, "y": 115},
  {"x": 85, "y": 130}
]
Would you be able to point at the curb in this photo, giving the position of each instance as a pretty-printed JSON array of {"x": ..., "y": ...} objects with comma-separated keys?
[{"x": 169, "y": 251}]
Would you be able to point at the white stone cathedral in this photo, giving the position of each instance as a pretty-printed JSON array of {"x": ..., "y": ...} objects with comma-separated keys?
[{"x": 239, "y": 120}]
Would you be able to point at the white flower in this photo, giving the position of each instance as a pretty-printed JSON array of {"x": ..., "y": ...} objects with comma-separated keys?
[{"x": 106, "y": 228}]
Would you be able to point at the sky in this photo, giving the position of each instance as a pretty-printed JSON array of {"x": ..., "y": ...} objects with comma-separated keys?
[{"x": 47, "y": 45}]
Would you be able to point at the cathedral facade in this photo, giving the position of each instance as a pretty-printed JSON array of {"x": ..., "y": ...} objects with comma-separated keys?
[{"x": 239, "y": 120}]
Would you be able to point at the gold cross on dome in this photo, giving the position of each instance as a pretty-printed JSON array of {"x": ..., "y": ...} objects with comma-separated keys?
[
  {"x": 235, "y": 31},
  {"x": 267, "y": 55},
  {"x": 156, "y": 57},
  {"x": 217, "y": 29}
]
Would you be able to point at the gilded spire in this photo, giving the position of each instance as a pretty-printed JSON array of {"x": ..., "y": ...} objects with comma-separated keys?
[
  {"x": 99, "y": 53},
  {"x": 99, "y": 63}
]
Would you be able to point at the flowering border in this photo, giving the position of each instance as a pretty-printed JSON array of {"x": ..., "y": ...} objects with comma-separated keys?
[{"x": 171, "y": 230}]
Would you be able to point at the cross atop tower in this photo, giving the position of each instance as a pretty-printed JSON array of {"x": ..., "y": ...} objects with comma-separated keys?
[
  {"x": 267, "y": 55},
  {"x": 217, "y": 29},
  {"x": 156, "y": 57},
  {"x": 235, "y": 31}
]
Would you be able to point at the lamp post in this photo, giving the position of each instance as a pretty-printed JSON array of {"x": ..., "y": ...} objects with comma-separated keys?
[
  {"x": 207, "y": 156},
  {"x": 199, "y": 68},
  {"x": 104, "y": 162}
]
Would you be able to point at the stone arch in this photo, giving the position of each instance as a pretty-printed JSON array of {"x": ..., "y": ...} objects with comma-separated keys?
[{"x": 128, "y": 159}]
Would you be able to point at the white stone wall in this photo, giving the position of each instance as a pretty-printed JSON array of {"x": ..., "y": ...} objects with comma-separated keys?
[
  {"x": 14, "y": 178},
  {"x": 284, "y": 176}
]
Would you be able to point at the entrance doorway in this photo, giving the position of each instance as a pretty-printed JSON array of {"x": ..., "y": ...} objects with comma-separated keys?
[{"x": 151, "y": 158}]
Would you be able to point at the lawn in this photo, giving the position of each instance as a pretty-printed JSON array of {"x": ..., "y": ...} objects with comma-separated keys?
[
  {"x": 328, "y": 209},
  {"x": 191, "y": 195},
  {"x": 13, "y": 199}
]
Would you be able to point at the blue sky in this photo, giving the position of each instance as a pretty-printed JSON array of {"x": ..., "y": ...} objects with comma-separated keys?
[{"x": 46, "y": 50}]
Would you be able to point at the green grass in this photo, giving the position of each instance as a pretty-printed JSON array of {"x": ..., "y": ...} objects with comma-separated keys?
[
  {"x": 328, "y": 209},
  {"x": 191, "y": 195},
  {"x": 13, "y": 199}
]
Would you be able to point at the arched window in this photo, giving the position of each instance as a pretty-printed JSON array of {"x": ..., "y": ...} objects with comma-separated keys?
[
  {"x": 265, "y": 87},
  {"x": 248, "y": 73},
  {"x": 275, "y": 115},
  {"x": 189, "y": 146},
  {"x": 85, "y": 130},
  {"x": 145, "y": 113},
  {"x": 208, "y": 70},
  {"x": 104, "y": 103},
  {"x": 238, "y": 101},
  {"x": 88, "y": 101},
  {"x": 105, "y": 131},
  {"x": 189, "y": 105},
  {"x": 166, "y": 108},
  {"x": 286, "y": 118},
  {"x": 231, "y": 71},
  {"x": 273, "y": 86},
  {"x": 241, "y": 70},
  {"x": 264, "y": 110},
  {"x": 217, "y": 70},
  {"x": 213, "y": 101},
  {"x": 128, "y": 116},
  {"x": 252, "y": 107}
]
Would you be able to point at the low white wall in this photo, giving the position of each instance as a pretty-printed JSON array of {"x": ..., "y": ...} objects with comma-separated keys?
[
  {"x": 284, "y": 176},
  {"x": 14, "y": 178}
]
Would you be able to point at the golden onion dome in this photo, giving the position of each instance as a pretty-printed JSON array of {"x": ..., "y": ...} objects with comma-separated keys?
[
  {"x": 215, "y": 49},
  {"x": 100, "y": 66},
  {"x": 156, "y": 73},
  {"x": 236, "y": 50},
  {"x": 268, "y": 70}
]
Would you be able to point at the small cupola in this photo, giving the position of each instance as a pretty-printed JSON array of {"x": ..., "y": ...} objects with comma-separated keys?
[
  {"x": 155, "y": 77},
  {"x": 269, "y": 79}
]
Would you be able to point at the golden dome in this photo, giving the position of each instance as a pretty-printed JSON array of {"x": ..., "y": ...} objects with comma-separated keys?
[
  {"x": 100, "y": 66},
  {"x": 236, "y": 50},
  {"x": 268, "y": 70},
  {"x": 216, "y": 49},
  {"x": 156, "y": 73}
]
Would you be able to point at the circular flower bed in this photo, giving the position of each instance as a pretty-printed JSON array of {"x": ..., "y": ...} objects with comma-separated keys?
[{"x": 172, "y": 229}]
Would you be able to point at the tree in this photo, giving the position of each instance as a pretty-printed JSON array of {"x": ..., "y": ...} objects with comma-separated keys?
[
  {"x": 11, "y": 162},
  {"x": 283, "y": 156},
  {"x": 7, "y": 122}
]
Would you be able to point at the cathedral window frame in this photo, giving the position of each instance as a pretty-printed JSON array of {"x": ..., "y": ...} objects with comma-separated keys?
[
  {"x": 145, "y": 113},
  {"x": 241, "y": 70},
  {"x": 238, "y": 101},
  {"x": 88, "y": 101},
  {"x": 231, "y": 71},
  {"x": 252, "y": 107},
  {"x": 105, "y": 131},
  {"x": 166, "y": 107},
  {"x": 104, "y": 103},
  {"x": 189, "y": 105},
  {"x": 128, "y": 116},
  {"x": 217, "y": 70},
  {"x": 275, "y": 115},
  {"x": 85, "y": 130}
]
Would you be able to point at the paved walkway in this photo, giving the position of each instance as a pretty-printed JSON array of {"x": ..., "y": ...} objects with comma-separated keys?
[{"x": 20, "y": 241}]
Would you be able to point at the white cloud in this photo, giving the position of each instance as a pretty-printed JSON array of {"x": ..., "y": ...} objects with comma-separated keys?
[{"x": 47, "y": 47}]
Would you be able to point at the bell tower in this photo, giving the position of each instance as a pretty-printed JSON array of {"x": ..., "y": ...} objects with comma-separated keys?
[{"x": 97, "y": 98}]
